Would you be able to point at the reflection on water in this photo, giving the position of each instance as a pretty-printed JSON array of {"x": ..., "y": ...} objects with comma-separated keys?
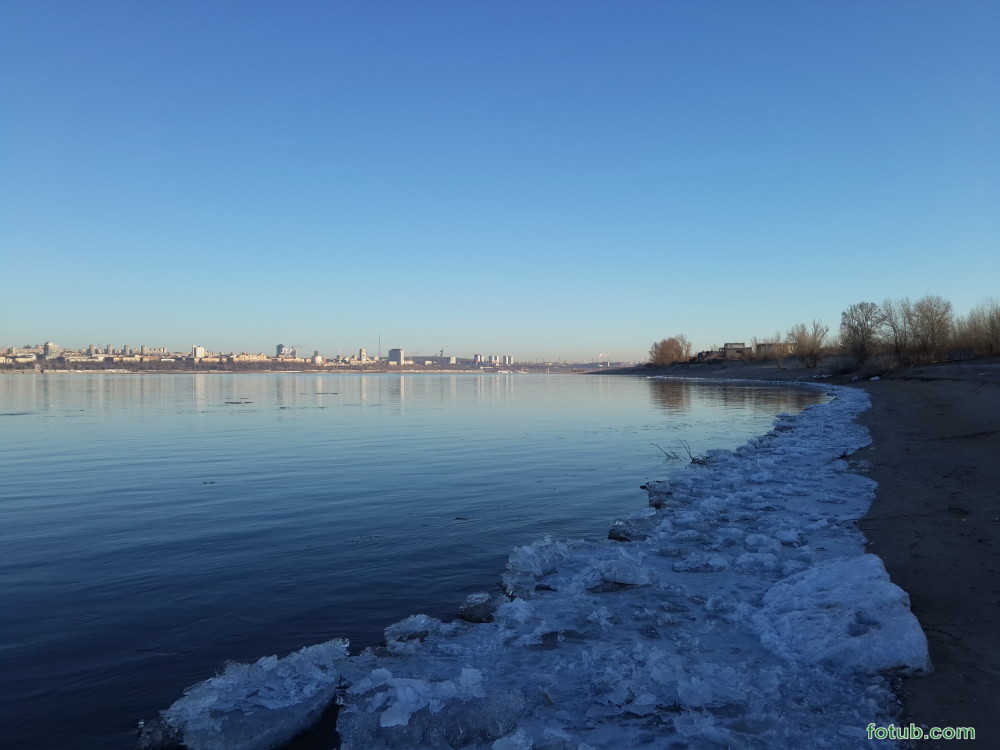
[
  {"x": 154, "y": 394},
  {"x": 680, "y": 396}
]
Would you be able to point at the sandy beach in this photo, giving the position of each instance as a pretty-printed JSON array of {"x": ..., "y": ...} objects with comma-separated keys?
[{"x": 935, "y": 522}]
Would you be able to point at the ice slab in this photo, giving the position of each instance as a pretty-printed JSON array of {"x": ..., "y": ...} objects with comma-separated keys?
[
  {"x": 258, "y": 706},
  {"x": 847, "y": 614}
]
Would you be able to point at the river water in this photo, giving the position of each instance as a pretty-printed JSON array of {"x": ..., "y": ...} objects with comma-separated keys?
[{"x": 154, "y": 527}]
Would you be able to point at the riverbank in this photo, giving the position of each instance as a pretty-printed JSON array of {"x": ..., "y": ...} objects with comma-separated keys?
[{"x": 935, "y": 521}]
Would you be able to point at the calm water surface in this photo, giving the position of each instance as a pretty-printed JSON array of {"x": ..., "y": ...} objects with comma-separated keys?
[{"x": 154, "y": 526}]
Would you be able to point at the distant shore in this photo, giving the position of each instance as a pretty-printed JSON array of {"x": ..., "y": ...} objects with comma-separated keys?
[
  {"x": 935, "y": 521},
  {"x": 315, "y": 370}
]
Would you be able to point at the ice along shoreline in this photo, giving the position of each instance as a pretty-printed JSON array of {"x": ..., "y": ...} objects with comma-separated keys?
[{"x": 739, "y": 609}]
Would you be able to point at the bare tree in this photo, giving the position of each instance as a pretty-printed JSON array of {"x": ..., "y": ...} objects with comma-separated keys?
[
  {"x": 668, "y": 351},
  {"x": 859, "y": 329},
  {"x": 989, "y": 314},
  {"x": 685, "y": 346},
  {"x": 807, "y": 342},
  {"x": 979, "y": 332},
  {"x": 780, "y": 347},
  {"x": 773, "y": 347},
  {"x": 896, "y": 319},
  {"x": 931, "y": 327}
]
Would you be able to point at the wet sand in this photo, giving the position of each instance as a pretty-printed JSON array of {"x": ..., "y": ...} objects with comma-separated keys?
[{"x": 935, "y": 522}]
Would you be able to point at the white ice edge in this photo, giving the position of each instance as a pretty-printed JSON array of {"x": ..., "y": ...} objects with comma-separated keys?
[{"x": 743, "y": 612}]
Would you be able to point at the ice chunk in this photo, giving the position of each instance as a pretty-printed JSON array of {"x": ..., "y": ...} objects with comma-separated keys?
[
  {"x": 532, "y": 561},
  {"x": 715, "y": 687},
  {"x": 428, "y": 714},
  {"x": 761, "y": 543},
  {"x": 625, "y": 570},
  {"x": 480, "y": 607},
  {"x": 261, "y": 705},
  {"x": 729, "y": 536},
  {"x": 405, "y": 636},
  {"x": 760, "y": 562},
  {"x": 701, "y": 562},
  {"x": 844, "y": 613},
  {"x": 538, "y": 558},
  {"x": 630, "y": 530},
  {"x": 790, "y": 538},
  {"x": 516, "y": 610},
  {"x": 659, "y": 493},
  {"x": 519, "y": 740},
  {"x": 471, "y": 682}
]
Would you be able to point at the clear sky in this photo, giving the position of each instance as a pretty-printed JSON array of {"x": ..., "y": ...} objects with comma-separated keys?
[{"x": 548, "y": 179}]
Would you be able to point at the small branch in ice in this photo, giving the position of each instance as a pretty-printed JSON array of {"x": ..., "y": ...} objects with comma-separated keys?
[
  {"x": 672, "y": 455},
  {"x": 687, "y": 449}
]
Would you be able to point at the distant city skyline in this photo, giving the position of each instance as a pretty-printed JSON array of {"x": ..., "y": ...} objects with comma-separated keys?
[
  {"x": 52, "y": 348},
  {"x": 556, "y": 180},
  {"x": 301, "y": 347}
]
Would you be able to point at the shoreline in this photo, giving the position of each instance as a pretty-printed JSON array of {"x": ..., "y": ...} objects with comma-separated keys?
[
  {"x": 934, "y": 522},
  {"x": 702, "y": 617}
]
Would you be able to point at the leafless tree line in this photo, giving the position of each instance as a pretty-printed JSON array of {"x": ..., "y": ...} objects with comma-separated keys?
[
  {"x": 926, "y": 330},
  {"x": 978, "y": 333},
  {"x": 900, "y": 332},
  {"x": 808, "y": 343}
]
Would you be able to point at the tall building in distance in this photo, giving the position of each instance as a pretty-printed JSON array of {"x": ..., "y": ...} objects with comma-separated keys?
[
  {"x": 397, "y": 356},
  {"x": 493, "y": 360},
  {"x": 197, "y": 351},
  {"x": 363, "y": 355},
  {"x": 279, "y": 350}
]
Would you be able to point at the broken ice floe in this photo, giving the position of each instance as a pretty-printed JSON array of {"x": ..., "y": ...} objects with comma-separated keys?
[{"x": 257, "y": 706}]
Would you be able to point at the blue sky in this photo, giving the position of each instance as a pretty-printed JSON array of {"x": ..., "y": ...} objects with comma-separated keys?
[{"x": 551, "y": 180}]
